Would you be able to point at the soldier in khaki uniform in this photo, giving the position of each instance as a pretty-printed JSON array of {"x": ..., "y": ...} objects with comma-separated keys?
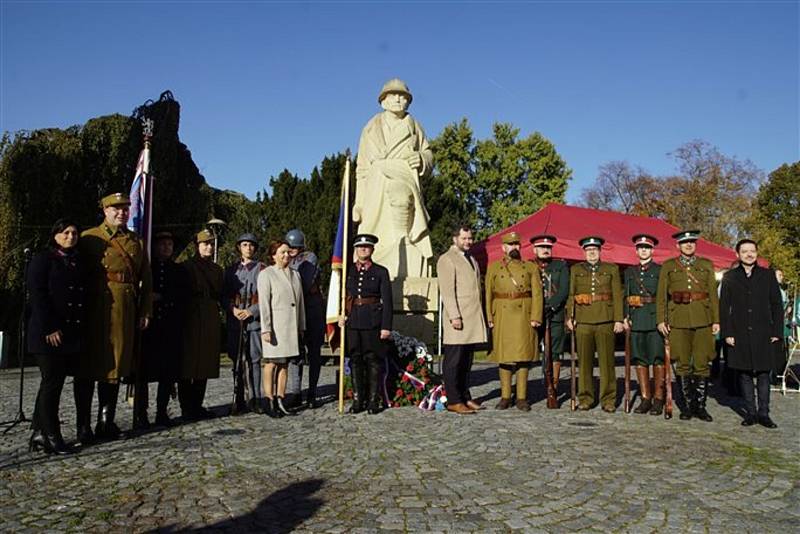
[
  {"x": 687, "y": 312},
  {"x": 119, "y": 299},
  {"x": 203, "y": 324},
  {"x": 514, "y": 306},
  {"x": 594, "y": 311}
]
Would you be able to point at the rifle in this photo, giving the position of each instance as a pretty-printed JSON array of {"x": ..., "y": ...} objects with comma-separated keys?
[
  {"x": 573, "y": 403},
  {"x": 552, "y": 401},
  {"x": 627, "y": 403},
  {"x": 667, "y": 379}
]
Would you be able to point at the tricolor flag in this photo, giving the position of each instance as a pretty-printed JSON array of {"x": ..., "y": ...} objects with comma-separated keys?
[
  {"x": 141, "y": 220},
  {"x": 333, "y": 308}
]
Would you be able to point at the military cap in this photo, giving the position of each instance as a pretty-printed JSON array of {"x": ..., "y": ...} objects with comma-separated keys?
[
  {"x": 203, "y": 236},
  {"x": 510, "y": 238},
  {"x": 543, "y": 240},
  {"x": 163, "y": 235},
  {"x": 115, "y": 199},
  {"x": 365, "y": 240},
  {"x": 591, "y": 241},
  {"x": 644, "y": 240},
  {"x": 686, "y": 235},
  {"x": 395, "y": 85},
  {"x": 247, "y": 236}
]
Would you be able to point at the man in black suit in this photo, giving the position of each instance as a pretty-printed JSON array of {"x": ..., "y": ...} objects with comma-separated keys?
[
  {"x": 751, "y": 321},
  {"x": 368, "y": 316}
]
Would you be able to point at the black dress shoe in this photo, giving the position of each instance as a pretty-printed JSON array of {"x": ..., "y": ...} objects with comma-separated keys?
[
  {"x": 163, "y": 419},
  {"x": 85, "y": 435},
  {"x": 375, "y": 407},
  {"x": 54, "y": 444},
  {"x": 36, "y": 443},
  {"x": 749, "y": 420},
  {"x": 767, "y": 422}
]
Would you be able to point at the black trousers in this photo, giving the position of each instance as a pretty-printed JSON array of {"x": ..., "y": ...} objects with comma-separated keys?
[
  {"x": 366, "y": 352},
  {"x": 191, "y": 394},
  {"x": 45, "y": 414},
  {"x": 455, "y": 367},
  {"x": 762, "y": 385}
]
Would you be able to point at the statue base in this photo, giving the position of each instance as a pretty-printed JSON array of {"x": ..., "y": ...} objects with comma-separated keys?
[{"x": 416, "y": 309}]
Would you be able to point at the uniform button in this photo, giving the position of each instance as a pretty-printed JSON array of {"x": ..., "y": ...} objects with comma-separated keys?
[
  {"x": 292, "y": 304},
  {"x": 78, "y": 321},
  {"x": 749, "y": 310}
]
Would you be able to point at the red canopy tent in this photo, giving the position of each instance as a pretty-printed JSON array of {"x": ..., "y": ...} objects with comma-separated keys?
[{"x": 571, "y": 223}]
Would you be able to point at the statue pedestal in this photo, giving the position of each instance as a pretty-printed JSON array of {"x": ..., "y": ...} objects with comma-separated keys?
[{"x": 416, "y": 307}]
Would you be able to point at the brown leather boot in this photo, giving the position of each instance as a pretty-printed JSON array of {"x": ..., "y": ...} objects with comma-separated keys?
[
  {"x": 659, "y": 374},
  {"x": 643, "y": 376}
]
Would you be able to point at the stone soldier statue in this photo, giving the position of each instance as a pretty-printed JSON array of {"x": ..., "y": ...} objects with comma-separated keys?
[
  {"x": 594, "y": 310},
  {"x": 555, "y": 286},
  {"x": 119, "y": 301},
  {"x": 162, "y": 342},
  {"x": 240, "y": 302},
  {"x": 514, "y": 309},
  {"x": 647, "y": 345},
  {"x": 463, "y": 324},
  {"x": 306, "y": 264},
  {"x": 368, "y": 309},
  {"x": 203, "y": 324},
  {"x": 687, "y": 312},
  {"x": 751, "y": 323},
  {"x": 393, "y": 154}
]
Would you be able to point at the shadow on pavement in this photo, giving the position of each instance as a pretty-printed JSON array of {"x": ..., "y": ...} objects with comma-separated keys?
[{"x": 281, "y": 511}]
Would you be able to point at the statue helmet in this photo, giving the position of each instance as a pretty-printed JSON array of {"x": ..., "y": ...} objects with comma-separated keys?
[
  {"x": 295, "y": 238},
  {"x": 247, "y": 237},
  {"x": 395, "y": 85}
]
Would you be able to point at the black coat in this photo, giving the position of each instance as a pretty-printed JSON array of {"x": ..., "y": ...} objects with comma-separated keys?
[
  {"x": 370, "y": 283},
  {"x": 162, "y": 341},
  {"x": 56, "y": 285},
  {"x": 751, "y": 313}
]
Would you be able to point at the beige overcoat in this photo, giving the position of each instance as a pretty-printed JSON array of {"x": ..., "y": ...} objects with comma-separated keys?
[
  {"x": 280, "y": 300},
  {"x": 460, "y": 289}
]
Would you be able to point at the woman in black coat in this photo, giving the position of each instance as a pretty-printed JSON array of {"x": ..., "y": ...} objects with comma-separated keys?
[
  {"x": 751, "y": 322},
  {"x": 56, "y": 286}
]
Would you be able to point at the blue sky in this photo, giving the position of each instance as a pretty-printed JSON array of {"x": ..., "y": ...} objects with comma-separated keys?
[{"x": 271, "y": 85}]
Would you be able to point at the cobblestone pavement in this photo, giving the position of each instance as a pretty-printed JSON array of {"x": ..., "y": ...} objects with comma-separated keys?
[{"x": 403, "y": 470}]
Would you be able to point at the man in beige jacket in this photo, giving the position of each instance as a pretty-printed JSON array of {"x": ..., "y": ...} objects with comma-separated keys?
[{"x": 463, "y": 323}]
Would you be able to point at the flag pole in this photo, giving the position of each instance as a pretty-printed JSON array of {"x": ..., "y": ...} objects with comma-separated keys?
[
  {"x": 345, "y": 264},
  {"x": 148, "y": 226}
]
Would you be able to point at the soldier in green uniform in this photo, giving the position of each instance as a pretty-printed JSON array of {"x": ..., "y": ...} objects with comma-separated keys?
[
  {"x": 594, "y": 309},
  {"x": 119, "y": 300},
  {"x": 203, "y": 324},
  {"x": 555, "y": 287},
  {"x": 647, "y": 345},
  {"x": 687, "y": 312},
  {"x": 514, "y": 310}
]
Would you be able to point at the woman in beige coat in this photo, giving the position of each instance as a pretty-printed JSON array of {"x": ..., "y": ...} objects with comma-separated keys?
[{"x": 283, "y": 322}]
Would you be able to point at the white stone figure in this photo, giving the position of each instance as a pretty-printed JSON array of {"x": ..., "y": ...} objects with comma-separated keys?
[{"x": 393, "y": 154}]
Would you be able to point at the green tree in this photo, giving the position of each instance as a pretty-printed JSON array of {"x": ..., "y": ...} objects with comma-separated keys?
[{"x": 775, "y": 220}]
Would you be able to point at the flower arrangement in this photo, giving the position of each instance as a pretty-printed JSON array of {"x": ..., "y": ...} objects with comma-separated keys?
[{"x": 413, "y": 378}]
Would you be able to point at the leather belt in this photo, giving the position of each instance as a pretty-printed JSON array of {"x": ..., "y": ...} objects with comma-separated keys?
[
  {"x": 511, "y": 296},
  {"x": 686, "y": 297},
  {"x": 349, "y": 302},
  {"x": 587, "y": 298},
  {"x": 120, "y": 278},
  {"x": 637, "y": 301}
]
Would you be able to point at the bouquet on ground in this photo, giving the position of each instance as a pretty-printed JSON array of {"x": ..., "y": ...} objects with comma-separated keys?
[{"x": 410, "y": 377}]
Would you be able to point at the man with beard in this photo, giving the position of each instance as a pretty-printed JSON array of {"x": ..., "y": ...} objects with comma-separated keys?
[
  {"x": 647, "y": 345},
  {"x": 594, "y": 308},
  {"x": 555, "y": 286},
  {"x": 514, "y": 308},
  {"x": 463, "y": 325},
  {"x": 240, "y": 301},
  {"x": 687, "y": 313},
  {"x": 751, "y": 322},
  {"x": 119, "y": 301}
]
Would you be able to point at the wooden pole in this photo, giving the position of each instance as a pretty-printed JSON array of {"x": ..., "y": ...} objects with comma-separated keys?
[{"x": 345, "y": 265}]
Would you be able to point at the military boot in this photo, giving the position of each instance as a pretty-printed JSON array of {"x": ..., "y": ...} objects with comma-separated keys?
[
  {"x": 685, "y": 398},
  {"x": 658, "y": 386},
  {"x": 375, "y": 401},
  {"x": 106, "y": 428},
  {"x": 140, "y": 401},
  {"x": 643, "y": 377},
  {"x": 701, "y": 396},
  {"x": 358, "y": 377}
]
